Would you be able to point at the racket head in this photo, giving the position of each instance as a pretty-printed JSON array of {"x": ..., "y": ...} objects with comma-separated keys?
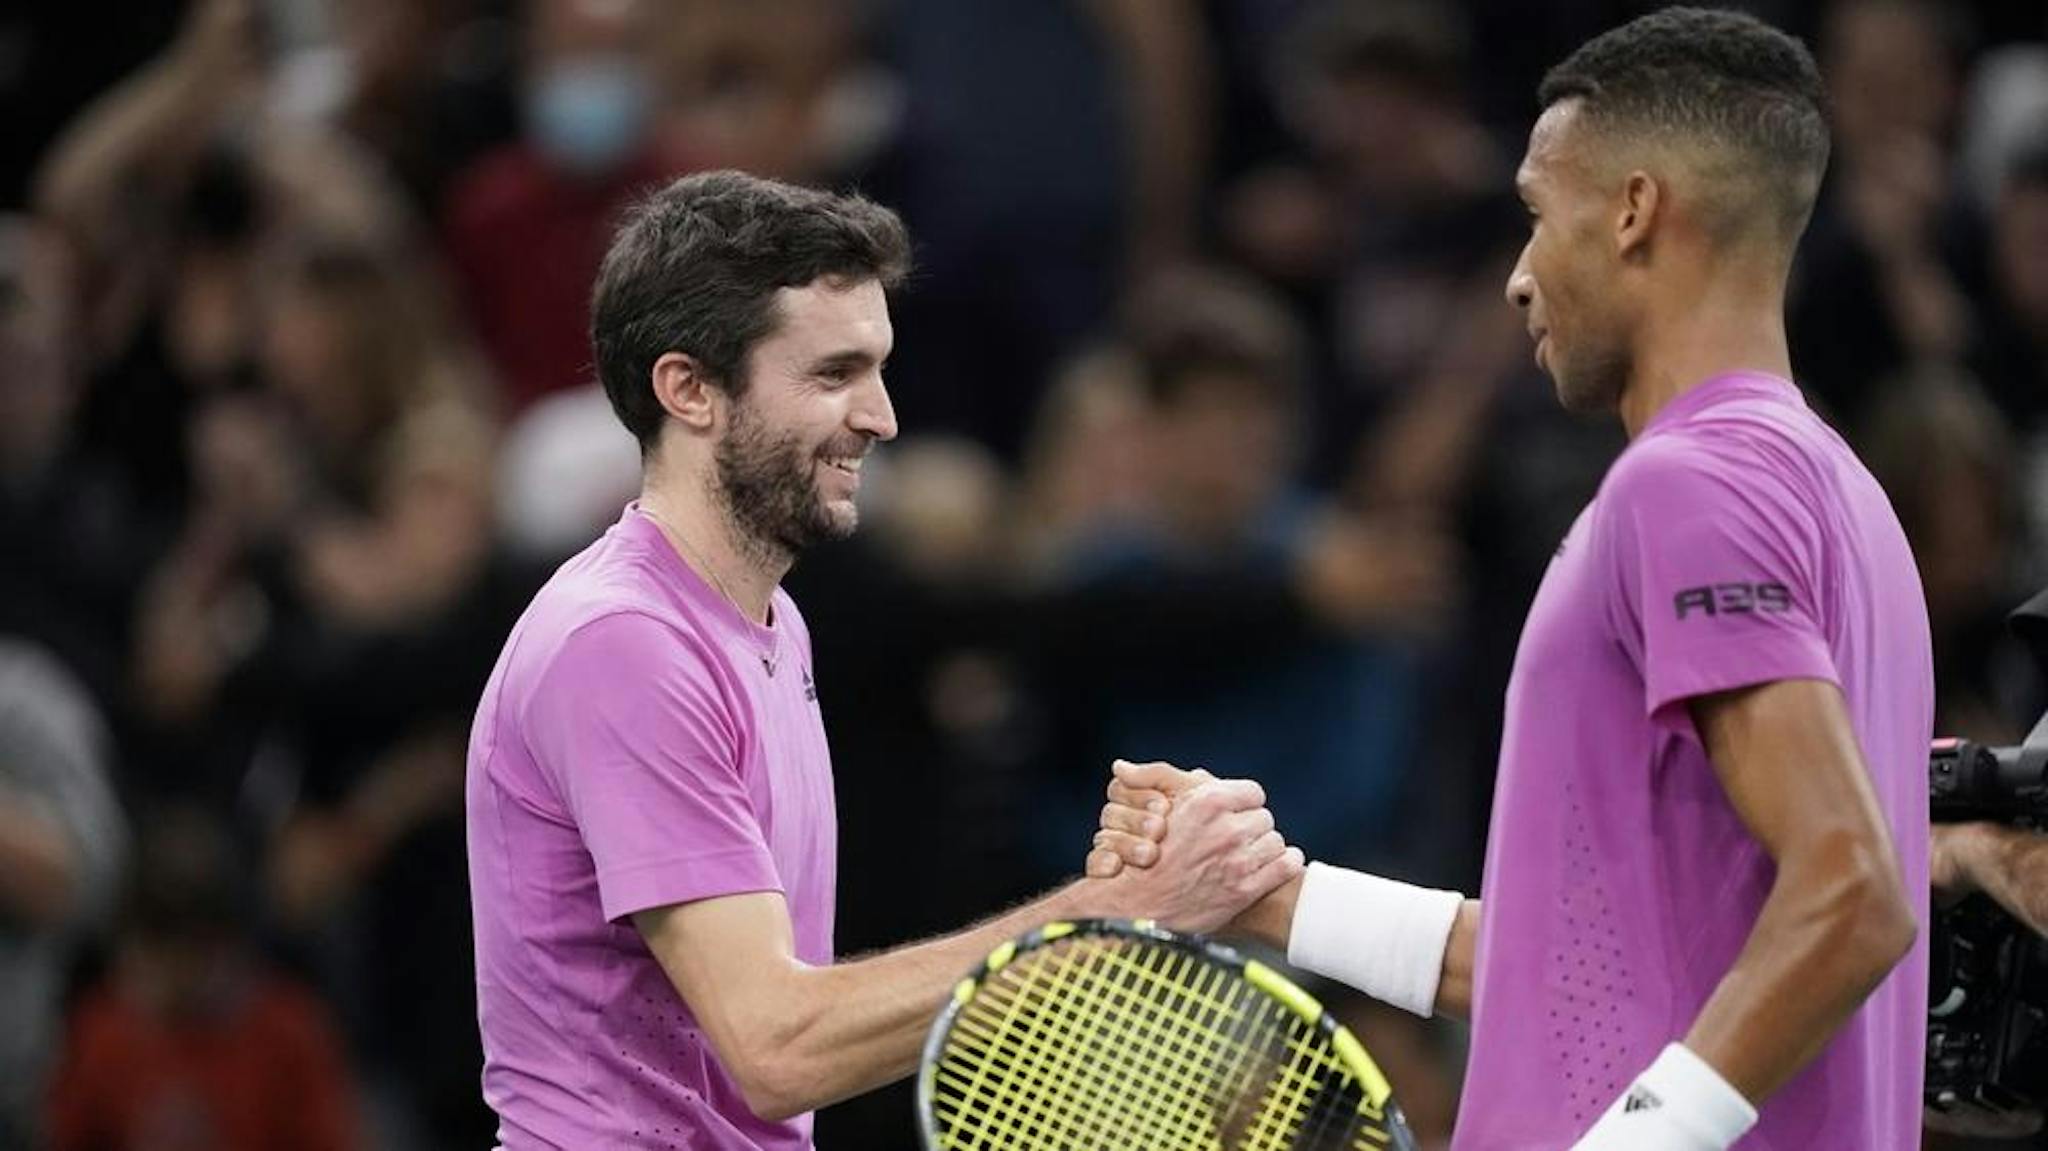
[{"x": 1102, "y": 1032}]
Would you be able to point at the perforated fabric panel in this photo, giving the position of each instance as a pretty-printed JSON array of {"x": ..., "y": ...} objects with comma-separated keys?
[{"x": 1593, "y": 983}]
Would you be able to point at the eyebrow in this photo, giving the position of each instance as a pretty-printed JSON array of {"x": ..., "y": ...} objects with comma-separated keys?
[{"x": 851, "y": 358}]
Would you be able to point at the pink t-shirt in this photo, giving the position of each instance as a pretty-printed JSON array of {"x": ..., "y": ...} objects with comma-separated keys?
[
  {"x": 640, "y": 744},
  {"x": 1737, "y": 541}
]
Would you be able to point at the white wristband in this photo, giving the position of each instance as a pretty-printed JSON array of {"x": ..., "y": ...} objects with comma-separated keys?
[
  {"x": 1381, "y": 936},
  {"x": 1679, "y": 1104}
]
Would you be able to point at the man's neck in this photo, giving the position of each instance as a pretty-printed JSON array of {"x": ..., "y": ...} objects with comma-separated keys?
[
  {"x": 741, "y": 570},
  {"x": 1735, "y": 324}
]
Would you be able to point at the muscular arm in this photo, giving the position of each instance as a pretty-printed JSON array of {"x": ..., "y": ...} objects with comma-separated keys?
[
  {"x": 797, "y": 1037},
  {"x": 1837, "y": 918},
  {"x": 2005, "y": 863}
]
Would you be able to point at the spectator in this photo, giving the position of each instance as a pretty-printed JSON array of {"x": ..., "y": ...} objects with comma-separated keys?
[
  {"x": 1407, "y": 227},
  {"x": 1323, "y": 705},
  {"x": 73, "y": 559},
  {"x": 62, "y": 843},
  {"x": 192, "y": 1043},
  {"x": 1042, "y": 170},
  {"x": 1951, "y": 467},
  {"x": 526, "y": 225},
  {"x": 1881, "y": 257},
  {"x": 2013, "y": 353},
  {"x": 338, "y": 600}
]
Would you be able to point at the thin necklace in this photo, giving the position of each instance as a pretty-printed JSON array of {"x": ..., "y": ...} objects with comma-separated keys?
[{"x": 767, "y": 657}]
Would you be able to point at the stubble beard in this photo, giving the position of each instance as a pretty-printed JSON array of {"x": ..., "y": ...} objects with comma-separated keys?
[{"x": 768, "y": 487}]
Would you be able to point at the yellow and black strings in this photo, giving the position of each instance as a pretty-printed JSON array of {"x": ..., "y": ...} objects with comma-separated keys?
[{"x": 1099, "y": 1041}]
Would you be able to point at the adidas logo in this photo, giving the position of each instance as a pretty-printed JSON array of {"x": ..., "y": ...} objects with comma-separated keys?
[{"x": 1640, "y": 1099}]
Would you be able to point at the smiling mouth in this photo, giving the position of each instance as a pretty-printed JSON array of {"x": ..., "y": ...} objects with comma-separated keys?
[{"x": 847, "y": 465}]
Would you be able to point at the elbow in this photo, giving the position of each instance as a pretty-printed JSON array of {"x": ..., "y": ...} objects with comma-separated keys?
[
  {"x": 1892, "y": 928},
  {"x": 773, "y": 1083},
  {"x": 1878, "y": 926}
]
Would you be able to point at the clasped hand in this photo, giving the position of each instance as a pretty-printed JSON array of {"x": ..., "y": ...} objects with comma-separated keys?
[{"x": 1200, "y": 849}]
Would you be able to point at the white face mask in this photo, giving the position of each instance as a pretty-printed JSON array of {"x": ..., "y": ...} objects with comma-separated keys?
[{"x": 589, "y": 114}]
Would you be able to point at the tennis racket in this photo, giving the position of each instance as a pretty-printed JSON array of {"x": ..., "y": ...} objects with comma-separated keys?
[{"x": 1109, "y": 1033}]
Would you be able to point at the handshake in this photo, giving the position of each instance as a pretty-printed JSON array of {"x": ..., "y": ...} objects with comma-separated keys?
[{"x": 1194, "y": 852}]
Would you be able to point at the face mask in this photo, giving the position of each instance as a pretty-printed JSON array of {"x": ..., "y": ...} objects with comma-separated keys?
[{"x": 588, "y": 115}]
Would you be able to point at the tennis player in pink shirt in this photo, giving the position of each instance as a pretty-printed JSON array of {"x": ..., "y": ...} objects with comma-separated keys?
[
  {"x": 652, "y": 841},
  {"x": 1698, "y": 927}
]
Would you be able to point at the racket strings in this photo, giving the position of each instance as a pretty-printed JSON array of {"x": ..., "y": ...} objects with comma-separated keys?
[{"x": 1103, "y": 1042}]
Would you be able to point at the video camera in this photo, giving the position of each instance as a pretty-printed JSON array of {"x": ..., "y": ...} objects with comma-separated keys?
[{"x": 1988, "y": 979}]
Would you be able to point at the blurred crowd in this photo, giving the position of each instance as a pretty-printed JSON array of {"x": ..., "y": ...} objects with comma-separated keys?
[{"x": 1221, "y": 446}]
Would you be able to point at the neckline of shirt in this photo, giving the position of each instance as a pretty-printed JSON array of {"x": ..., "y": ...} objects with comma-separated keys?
[
  {"x": 641, "y": 528},
  {"x": 1721, "y": 388}
]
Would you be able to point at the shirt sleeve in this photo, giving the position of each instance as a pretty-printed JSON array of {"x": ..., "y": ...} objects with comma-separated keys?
[
  {"x": 646, "y": 745},
  {"x": 1715, "y": 569}
]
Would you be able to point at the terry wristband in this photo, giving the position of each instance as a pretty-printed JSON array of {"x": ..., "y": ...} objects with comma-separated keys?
[
  {"x": 1384, "y": 937},
  {"x": 1679, "y": 1104}
]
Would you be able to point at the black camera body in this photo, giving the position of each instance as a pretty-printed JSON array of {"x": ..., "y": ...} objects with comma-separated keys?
[{"x": 1987, "y": 1028}]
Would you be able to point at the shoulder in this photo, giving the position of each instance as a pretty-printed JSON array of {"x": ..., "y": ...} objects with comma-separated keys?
[
  {"x": 1709, "y": 465},
  {"x": 604, "y": 616}
]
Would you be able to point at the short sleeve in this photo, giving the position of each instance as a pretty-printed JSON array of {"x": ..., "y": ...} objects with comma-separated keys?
[
  {"x": 646, "y": 746},
  {"x": 1715, "y": 570}
]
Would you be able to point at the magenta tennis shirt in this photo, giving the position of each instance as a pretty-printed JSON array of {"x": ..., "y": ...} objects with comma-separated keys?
[
  {"x": 640, "y": 744},
  {"x": 1737, "y": 541}
]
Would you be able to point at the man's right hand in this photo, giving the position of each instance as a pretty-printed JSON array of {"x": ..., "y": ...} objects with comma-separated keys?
[
  {"x": 1134, "y": 821},
  {"x": 1215, "y": 855}
]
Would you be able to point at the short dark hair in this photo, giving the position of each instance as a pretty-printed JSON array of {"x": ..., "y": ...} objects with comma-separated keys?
[
  {"x": 695, "y": 268},
  {"x": 1722, "y": 79},
  {"x": 1192, "y": 321}
]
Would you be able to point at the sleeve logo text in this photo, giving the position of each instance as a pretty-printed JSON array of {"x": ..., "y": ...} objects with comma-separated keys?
[{"x": 1732, "y": 599}]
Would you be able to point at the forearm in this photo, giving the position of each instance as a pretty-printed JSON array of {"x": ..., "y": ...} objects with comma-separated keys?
[
  {"x": 1166, "y": 64},
  {"x": 1830, "y": 931},
  {"x": 2010, "y": 866},
  {"x": 828, "y": 1033},
  {"x": 148, "y": 128}
]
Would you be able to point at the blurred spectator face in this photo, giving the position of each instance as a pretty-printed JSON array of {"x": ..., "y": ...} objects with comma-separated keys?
[
  {"x": 1888, "y": 71},
  {"x": 1378, "y": 77},
  {"x": 1085, "y": 465},
  {"x": 182, "y": 935},
  {"x": 588, "y": 95},
  {"x": 813, "y": 404},
  {"x": 1565, "y": 282},
  {"x": 334, "y": 343},
  {"x": 1222, "y": 447},
  {"x": 392, "y": 46},
  {"x": 2022, "y": 251},
  {"x": 745, "y": 83},
  {"x": 941, "y": 506},
  {"x": 38, "y": 378},
  {"x": 1368, "y": 122}
]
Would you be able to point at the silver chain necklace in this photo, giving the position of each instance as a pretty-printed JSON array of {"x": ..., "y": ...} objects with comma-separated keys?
[{"x": 768, "y": 657}]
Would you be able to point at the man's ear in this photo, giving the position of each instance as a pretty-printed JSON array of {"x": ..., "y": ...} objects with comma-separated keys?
[
  {"x": 684, "y": 390},
  {"x": 1642, "y": 202}
]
